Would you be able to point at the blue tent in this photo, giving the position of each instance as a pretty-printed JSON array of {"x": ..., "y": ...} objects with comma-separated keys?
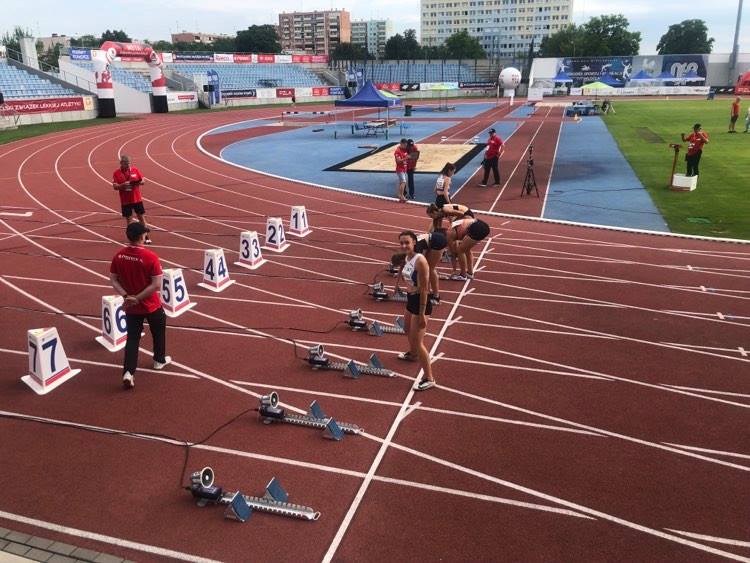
[
  {"x": 369, "y": 97},
  {"x": 642, "y": 76},
  {"x": 609, "y": 80},
  {"x": 562, "y": 77}
]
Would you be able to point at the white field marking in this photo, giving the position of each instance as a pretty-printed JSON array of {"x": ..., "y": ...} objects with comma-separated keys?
[
  {"x": 436, "y": 357},
  {"x": 319, "y": 467},
  {"x": 742, "y": 351},
  {"x": 521, "y": 159},
  {"x": 608, "y": 433},
  {"x": 410, "y": 409},
  {"x": 738, "y": 349},
  {"x": 111, "y": 540},
  {"x": 705, "y": 450},
  {"x": 712, "y": 539},
  {"x": 574, "y": 506},
  {"x": 389, "y": 436},
  {"x": 457, "y": 319},
  {"x": 580, "y": 277},
  {"x": 552, "y": 166},
  {"x": 504, "y": 223},
  {"x": 461, "y": 187},
  {"x": 689, "y": 267},
  {"x": 543, "y": 300},
  {"x": 524, "y": 368},
  {"x": 107, "y": 365},
  {"x": 12, "y": 214},
  {"x": 562, "y": 332},
  {"x": 420, "y": 408},
  {"x": 711, "y": 391}
]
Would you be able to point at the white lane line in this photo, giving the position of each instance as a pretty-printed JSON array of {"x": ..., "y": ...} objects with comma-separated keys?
[
  {"x": 552, "y": 166},
  {"x": 708, "y": 451},
  {"x": 436, "y": 357},
  {"x": 11, "y": 214},
  {"x": 713, "y": 392},
  {"x": 410, "y": 409},
  {"x": 714, "y": 539},
  {"x": 119, "y": 542}
]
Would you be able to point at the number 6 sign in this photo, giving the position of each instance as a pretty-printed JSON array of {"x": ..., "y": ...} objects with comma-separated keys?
[
  {"x": 114, "y": 326},
  {"x": 174, "y": 293},
  {"x": 48, "y": 364}
]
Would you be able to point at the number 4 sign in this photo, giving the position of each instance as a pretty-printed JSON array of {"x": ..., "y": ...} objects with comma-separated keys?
[
  {"x": 174, "y": 293},
  {"x": 215, "y": 273},
  {"x": 251, "y": 256},
  {"x": 48, "y": 364},
  {"x": 275, "y": 239}
]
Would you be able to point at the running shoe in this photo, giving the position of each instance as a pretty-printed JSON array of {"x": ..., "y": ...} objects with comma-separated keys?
[
  {"x": 423, "y": 385},
  {"x": 470, "y": 275},
  {"x": 482, "y": 185},
  {"x": 458, "y": 277},
  {"x": 128, "y": 381},
  {"x": 406, "y": 356},
  {"x": 162, "y": 365},
  {"x": 435, "y": 299},
  {"x": 148, "y": 241}
]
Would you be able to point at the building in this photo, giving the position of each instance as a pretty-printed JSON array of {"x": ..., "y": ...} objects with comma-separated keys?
[
  {"x": 504, "y": 28},
  {"x": 50, "y": 42},
  {"x": 372, "y": 35},
  {"x": 316, "y": 33},
  {"x": 198, "y": 37}
]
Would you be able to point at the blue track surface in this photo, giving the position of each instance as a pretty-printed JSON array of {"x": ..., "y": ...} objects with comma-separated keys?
[
  {"x": 314, "y": 152},
  {"x": 592, "y": 182},
  {"x": 243, "y": 125},
  {"x": 521, "y": 112},
  {"x": 425, "y": 111}
]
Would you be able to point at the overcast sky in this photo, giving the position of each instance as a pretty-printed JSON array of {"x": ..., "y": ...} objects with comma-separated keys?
[{"x": 144, "y": 19}]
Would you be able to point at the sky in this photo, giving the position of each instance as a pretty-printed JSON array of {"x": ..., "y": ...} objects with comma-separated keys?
[{"x": 146, "y": 19}]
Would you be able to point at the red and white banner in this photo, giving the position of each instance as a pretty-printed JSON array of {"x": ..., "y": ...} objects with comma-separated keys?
[
  {"x": 267, "y": 59},
  {"x": 166, "y": 57},
  {"x": 284, "y": 92},
  {"x": 243, "y": 58},
  {"x": 393, "y": 86},
  {"x": 283, "y": 59},
  {"x": 301, "y": 58},
  {"x": 320, "y": 58},
  {"x": 49, "y": 105},
  {"x": 320, "y": 91},
  {"x": 223, "y": 58},
  {"x": 181, "y": 97}
]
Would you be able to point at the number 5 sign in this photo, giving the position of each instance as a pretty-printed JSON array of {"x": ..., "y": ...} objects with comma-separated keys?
[
  {"x": 174, "y": 293},
  {"x": 48, "y": 364}
]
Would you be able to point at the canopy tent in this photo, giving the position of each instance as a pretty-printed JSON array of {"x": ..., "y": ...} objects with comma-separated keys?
[
  {"x": 596, "y": 86},
  {"x": 642, "y": 76},
  {"x": 562, "y": 77},
  {"x": 692, "y": 76},
  {"x": 609, "y": 80},
  {"x": 370, "y": 97}
]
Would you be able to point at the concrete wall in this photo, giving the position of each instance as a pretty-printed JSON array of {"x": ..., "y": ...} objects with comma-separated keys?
[{"x": 32, "y": 118}]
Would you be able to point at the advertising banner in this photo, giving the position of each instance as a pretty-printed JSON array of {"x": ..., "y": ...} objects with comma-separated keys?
[
  {"x": 336, "y": 91},
  {"x": 476, "y": 85},
  {"x": 266, "y": 58},
  {"x": 409, "y": 86},
  {"x": 166, "y": 57},
  {"x": 181, "y": 97},
  {"x": 393, "y": 86},
  {"x": 223, "y": 58},
  {"x": 301, "y": 58},
  {"x": 213, "y": 80},
  {"x": 303, "y": 92},
  {"x": 535, "y": 94},
  {"x": 80, "y": 54},
  {"x": 193, "y": 57},
  {"x": 583, "y": 70},
  {"x": 284, "y": 92},
  {"x": 240, "y": 93},
  {"x": 438, "y": 86},
  {"x": 282, "y": 59},
  {"x": 265, "y": 92},
  {"x": 48, "y": 105},
  {"x": 320, "y": 58},
  {"x": 320, "y": 91},
  {"x": 243, "y": 58},
  {"x": 576, "y": 91}
]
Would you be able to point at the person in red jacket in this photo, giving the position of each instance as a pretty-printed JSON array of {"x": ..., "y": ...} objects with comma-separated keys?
[
  {"x": 136, "y": 274},
  {"x": 401, "y": 155},
  {"x": 734, "y": 115},
  {"x": 128, "y": 180},
  {"x": 696, "y": 140},
  {"x": 493, "y": 152},
  {"x": 411, "y": 165}
]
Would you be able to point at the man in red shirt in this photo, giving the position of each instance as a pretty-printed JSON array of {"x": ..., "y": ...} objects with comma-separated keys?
[
  {"x": 136, "y": 274},
  {"x": 735, "y": 115},
  {"x": 128, "y": 181},
  {"x": 411, "y": 164},
  {"x": 493, "y": 152},
  {"x": 695, "y": 142},
  {"x": 402, "y": 156}
]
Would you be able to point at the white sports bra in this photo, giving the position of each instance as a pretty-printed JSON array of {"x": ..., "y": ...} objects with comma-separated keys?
[{"x": 409, "y": 273}]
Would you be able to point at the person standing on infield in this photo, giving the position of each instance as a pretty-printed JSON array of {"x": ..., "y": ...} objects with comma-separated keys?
[
  {"x": 136, "y": 274},
  {"x": 493, "y": 152},
  {"x": 695, "y": 142},
  {"x": 734, "y": 115},
  {"x": 401, "y": 155},
  {"x": 411, "y": 165},
  {"x": 128, "y": 180}
]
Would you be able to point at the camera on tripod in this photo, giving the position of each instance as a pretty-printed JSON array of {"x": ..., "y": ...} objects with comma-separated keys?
[
  {"x": 529, "y": 182},
  {"x": 530, "y": 157}
]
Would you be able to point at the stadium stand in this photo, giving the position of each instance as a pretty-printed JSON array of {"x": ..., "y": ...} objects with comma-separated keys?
[
  {"x": 16, "y": 83},
  {"x": 252, "y": 75},
  {"x": 123, "y": 76},
  {"x": 419, "y": 72}
]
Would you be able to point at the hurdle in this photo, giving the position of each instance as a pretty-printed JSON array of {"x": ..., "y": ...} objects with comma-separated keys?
[{"x": 304, "y": 118}]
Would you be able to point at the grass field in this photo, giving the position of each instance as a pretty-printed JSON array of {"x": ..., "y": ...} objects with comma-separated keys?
[
  {"x": 25, "y": 131},
  {"x": 720, "y": 206}
]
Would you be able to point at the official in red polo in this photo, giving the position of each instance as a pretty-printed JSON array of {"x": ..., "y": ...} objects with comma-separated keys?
[
  {"x": 136, "y": 274},
  {"x": 493, "y": 152},
  {"x": 401, "y": 156},
  {"x": 128, "y": 180},
  {"x": 411, "y": 165}
]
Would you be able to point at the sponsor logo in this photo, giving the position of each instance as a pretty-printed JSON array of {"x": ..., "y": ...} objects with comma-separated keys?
[
  {"x": 336, "y": 91},
  {"x": 284, "y": 92},
  {"x": 244, "y": 93}
]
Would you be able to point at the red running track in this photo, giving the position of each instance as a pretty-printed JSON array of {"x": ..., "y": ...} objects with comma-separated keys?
[{"x": 592, "y": 399}]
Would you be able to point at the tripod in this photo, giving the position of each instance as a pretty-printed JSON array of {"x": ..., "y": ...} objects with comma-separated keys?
[{"x": 529, "y": 181}]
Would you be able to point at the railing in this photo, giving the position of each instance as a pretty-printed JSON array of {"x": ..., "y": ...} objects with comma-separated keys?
[
  {"x": 52, "y": 71},
  {"x": 9, "y": 112}
]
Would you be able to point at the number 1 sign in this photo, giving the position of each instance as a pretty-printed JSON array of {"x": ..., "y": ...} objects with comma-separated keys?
[
  {"x": 298, "y": 224},
  {"x": 174, "y": 293},
  {"x": 48, "y": 364}
]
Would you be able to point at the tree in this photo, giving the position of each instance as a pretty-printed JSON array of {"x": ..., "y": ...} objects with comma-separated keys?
[
  {"x": 461, "y": 45},
  {"x": 162, "y": 45},
  {"x": 350, "y": 52},
  {"x": 116, "y": 35},
  {"x": 12, "y": 40},
  {"x": 258, "y": 39},
  {"x": 224, "y": 45},
  {"x": 688, "y": 36},
  {"x": 562, "y": 43},
  {"x": 411, "y": 45},
  {"x": 85, "y": 41},
  {"x": 394, "y": 47},
  {"x": 609, "y": 35},
  {"x": 439, "y": 52}
]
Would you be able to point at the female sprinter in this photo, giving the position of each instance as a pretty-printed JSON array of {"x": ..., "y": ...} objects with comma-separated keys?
[
  {"x": 431, "y": 245},
  {"x": 464, "y": 235},
  {"x": 416, "y": 273},
  {"x": 441, "y": 222},
  {"x": 443, "y": 184}
]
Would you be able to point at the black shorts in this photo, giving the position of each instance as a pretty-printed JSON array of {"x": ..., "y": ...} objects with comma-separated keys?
[
  {"x": 128, "y": 208},
  {"x": 440, "y": 200},
  {"x": 438, "y": 241},
  {"x": 734, "y": 118},
  {"x": 478, "y": 230},
  {"x": 412, "y": 304}
]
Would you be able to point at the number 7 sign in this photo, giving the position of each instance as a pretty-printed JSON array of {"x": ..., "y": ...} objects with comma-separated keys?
[{"x": 48, "y": 364}]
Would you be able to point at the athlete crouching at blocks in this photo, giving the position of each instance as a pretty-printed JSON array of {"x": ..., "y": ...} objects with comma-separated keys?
[{"x": 136, "y": 274}]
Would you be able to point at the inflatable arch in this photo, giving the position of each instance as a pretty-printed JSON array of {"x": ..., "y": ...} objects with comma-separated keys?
[{"x": 107, "y": 54}]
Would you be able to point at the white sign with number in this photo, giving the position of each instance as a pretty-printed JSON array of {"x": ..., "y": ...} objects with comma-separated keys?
[
  {"x": 114, "y": 325},
  {"x": 48, "y": 364},
  {"x": 275, "y": 237},
  {"x": 298, "y": 224},
  {"x": 251, "y": 256},
  {"x": 174, "y": 293},
  {"x": 215, "y": 273}
]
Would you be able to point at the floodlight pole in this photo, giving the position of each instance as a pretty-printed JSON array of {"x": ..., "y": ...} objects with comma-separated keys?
[{"x": 736, "y": 46}]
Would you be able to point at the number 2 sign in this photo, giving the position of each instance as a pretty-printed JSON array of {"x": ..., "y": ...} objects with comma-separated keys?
[{"x": 275, "y": 238}]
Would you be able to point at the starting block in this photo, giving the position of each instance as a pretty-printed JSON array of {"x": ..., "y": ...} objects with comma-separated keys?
[
  {"x": 356, "y": 321},
  {"x": 48, "y": 364},
  {"x": 239, "y": 506},
  {"x": 270, "y": 412},
  {"x": 379, "y": 293},
  {"x": 114, "y": 326},
  {"x": 318, "y": 360},
  {"x": 275, "y": 239},
  {"x": 298, "y": 225},
  {"x": 215, "y": 273},
  {"x": 376, "y": 329},
  {"x": 174, "y": 293},
  {"x": 251, "y": 256}
]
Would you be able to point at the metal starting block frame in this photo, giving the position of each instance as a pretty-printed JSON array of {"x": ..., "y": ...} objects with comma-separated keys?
[
  {"x": 379, "y": 293},
  {"x": 376, "y": 329},
  {"x": 270, "y": 412},
  {"x": 318, "y": 360},
  {"x": 240, "y": 506}
]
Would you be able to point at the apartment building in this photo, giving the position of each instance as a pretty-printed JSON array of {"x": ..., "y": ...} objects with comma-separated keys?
[
  {"x": 316, "y": 33},
  {"x": 372, "y": 35}
]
